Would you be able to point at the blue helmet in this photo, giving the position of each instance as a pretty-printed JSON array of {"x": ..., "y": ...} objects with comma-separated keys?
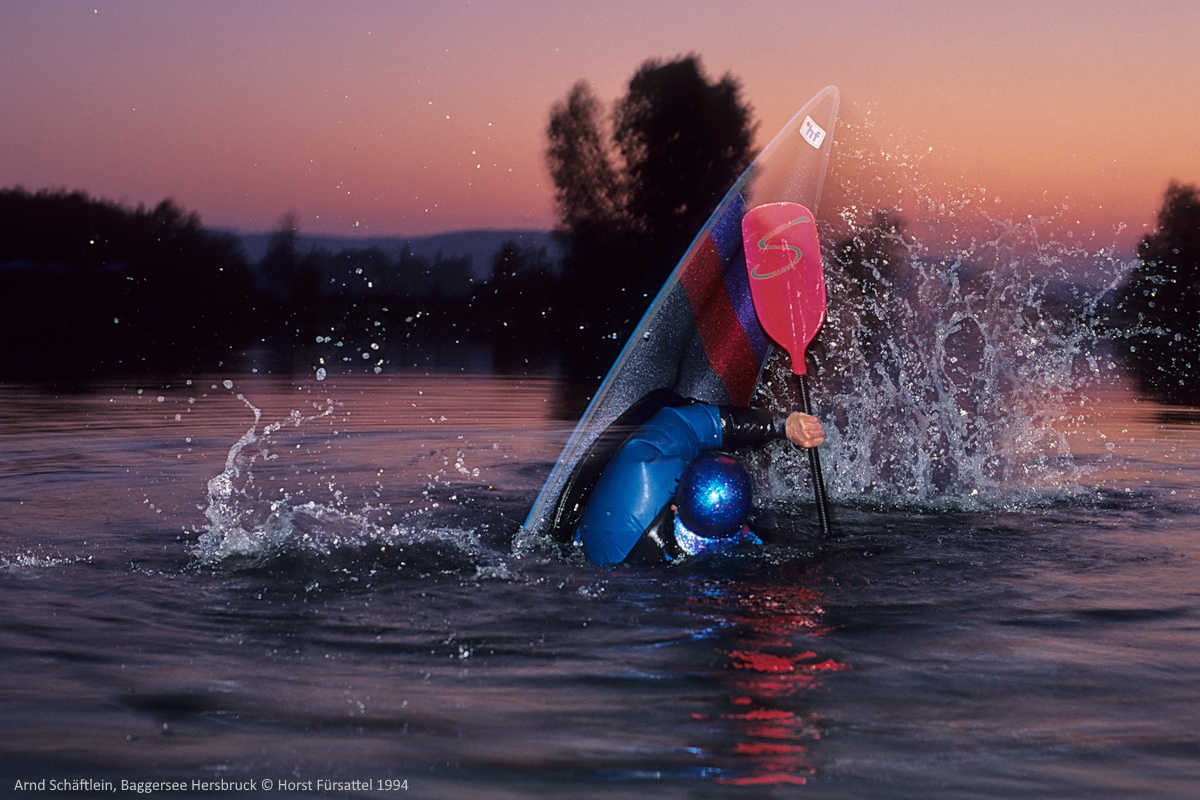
[{"x": 714, "y": 495}]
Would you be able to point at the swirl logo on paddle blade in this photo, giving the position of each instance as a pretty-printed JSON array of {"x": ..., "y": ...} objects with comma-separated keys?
[{"x": 794, "y": 255}]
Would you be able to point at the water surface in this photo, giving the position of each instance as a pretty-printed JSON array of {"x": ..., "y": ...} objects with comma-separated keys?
[{"x": 300, "y": 580}]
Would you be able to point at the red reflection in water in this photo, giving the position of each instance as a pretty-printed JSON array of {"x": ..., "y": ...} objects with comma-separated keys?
[{"x": 766, "y": 670}]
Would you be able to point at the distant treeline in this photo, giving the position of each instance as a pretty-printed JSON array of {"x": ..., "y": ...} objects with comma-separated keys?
[
  {"x": 358, "y": 299},
  {"x": 91, "y": 289},
  {"x": 88, "y": 287},
  {"x": 1158, "y": 318}
]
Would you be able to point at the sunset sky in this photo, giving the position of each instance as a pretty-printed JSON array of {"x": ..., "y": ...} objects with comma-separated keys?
[{"x": 367, "y": 117}]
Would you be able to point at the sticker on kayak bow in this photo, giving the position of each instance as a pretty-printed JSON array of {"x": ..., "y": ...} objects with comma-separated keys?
[{"x": 813, "y": 133}]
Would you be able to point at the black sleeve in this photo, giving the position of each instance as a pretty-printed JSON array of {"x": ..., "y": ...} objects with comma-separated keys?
[{"x": 748, "y": 427}]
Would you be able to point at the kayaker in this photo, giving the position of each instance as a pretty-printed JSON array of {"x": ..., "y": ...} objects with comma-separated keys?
[{"x": 671, "y": 491}]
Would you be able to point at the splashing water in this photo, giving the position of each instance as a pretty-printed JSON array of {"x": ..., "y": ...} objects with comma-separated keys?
[
  {"x": 31, "y": 560},
  {"x": 236, "y": 526},
  {"x": 954, "y": 362},
  {"x": 248, "y": 529}
]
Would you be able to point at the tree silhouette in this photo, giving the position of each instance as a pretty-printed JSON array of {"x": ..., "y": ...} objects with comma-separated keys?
[
  {"x": 634, "y": 188},
  {"x": 281, "y": 262},
  {"x": 1161, "y": 300},
  {"x": 587, "y": 187},
  {"x": 683, "y": 142}
]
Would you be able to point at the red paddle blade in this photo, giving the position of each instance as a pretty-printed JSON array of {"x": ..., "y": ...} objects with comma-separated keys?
[{"x": 787, "y": 279}]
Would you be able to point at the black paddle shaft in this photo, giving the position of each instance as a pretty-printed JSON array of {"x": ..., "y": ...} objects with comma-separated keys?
[{"x": 814, "y": 461}]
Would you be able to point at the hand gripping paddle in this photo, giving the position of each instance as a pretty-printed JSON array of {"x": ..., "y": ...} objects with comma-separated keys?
[{"x": 787, "y": 284}]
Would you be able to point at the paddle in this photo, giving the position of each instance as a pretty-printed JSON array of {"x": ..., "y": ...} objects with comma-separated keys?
[{"x": 787, "y": 284}]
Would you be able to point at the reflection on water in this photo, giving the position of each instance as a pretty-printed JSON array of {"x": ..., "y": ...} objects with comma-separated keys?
[{"x": 768, "y": 665}]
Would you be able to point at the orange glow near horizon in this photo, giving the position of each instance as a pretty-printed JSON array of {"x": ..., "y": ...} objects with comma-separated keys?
[{"x": 383, "y": 118}]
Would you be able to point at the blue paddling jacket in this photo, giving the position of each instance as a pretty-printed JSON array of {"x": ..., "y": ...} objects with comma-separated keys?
[{"x": 630, "y": 505}]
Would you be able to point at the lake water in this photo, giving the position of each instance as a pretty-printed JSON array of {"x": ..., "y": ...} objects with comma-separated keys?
[{"x": 257, "y": 579}]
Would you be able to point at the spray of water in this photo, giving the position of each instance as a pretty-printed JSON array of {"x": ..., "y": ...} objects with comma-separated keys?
[
  {"x": 242, "y": 524},
  {"x": 957, "y": 354},
  {"x": 253, "y": 523}
]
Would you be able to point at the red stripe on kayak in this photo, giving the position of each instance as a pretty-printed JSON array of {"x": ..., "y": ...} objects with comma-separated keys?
[{"x": 725, "y": 343}]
